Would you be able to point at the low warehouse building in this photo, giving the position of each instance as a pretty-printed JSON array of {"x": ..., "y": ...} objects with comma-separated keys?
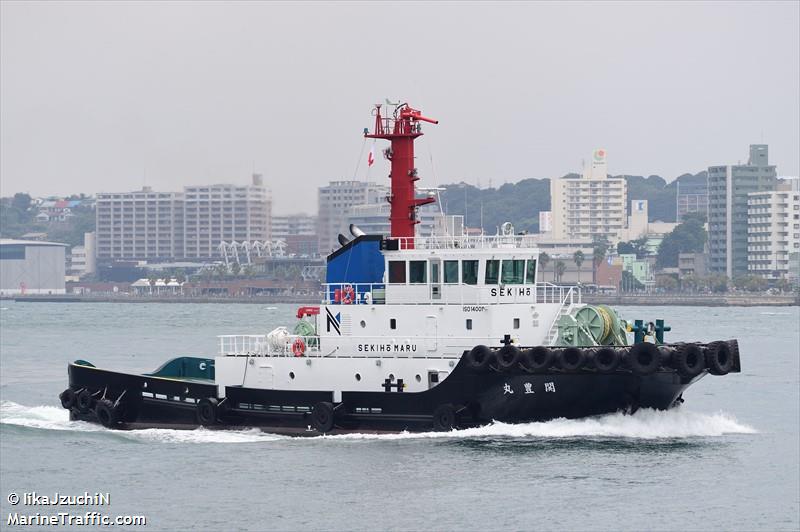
[{"x": 31, "y": 267}]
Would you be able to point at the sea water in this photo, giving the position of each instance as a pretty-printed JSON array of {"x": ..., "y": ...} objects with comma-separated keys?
[{"x": 727, "y": 459}]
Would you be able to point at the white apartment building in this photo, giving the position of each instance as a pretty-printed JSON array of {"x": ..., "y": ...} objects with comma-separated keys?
[
  {"x": 139, "y": 225},
  {"x": 335, "y": 201},
  {"x": 773, "y": 230},
  {"x": 591, "y": 205},
  {"x": 224, "y": 213},
  {"x": 170, "y": 226}
]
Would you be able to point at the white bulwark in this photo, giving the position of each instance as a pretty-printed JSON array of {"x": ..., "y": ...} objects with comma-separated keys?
[{"x": 31, "y": 267}]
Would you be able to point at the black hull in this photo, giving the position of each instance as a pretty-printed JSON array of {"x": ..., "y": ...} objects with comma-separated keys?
[{"x": 475, "y": 398}]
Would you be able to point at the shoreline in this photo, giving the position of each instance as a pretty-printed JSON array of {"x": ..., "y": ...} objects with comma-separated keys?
[{"x": 710, "y": 300}]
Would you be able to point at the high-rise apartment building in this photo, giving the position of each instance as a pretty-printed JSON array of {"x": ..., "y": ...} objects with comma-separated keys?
[
  {"x": 224, "y": 213},
  {"x": 335, "y": 201},
  {"x": 591, "y": 205},
  {"x": 773, "y": 230},
  {"x": 728, "y": 189},
  {"x": 141, "y": 225},
  {"x": 155, "y": 226}
]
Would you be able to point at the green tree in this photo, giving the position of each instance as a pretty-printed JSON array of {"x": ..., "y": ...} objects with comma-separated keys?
[
  {"x": 667, "y": 282},
  {"x": 544, "y": 260},
  {"x": 636, "y": 247},
  {"x": 578, "y": 257},
  {"x": 559, "y": 268},
  {"x": 236, "y": 268},
  {"x": 717, "y": 282},
  {"x": 21, "y": 202},
  {"x": 688, "y": 237},
  {"x": 221, "y": 271},
  {"x": 599, "y": 249}
]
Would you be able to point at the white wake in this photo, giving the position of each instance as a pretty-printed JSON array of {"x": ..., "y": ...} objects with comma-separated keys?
[
  {"x": 645, "y": 424},
  {"x": 56, "y": 418}
]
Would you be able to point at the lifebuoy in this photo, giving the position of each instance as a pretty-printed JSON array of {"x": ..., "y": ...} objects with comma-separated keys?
[
  {"x": 348, "y": 294},
  {"x": 299, "y": 347}
]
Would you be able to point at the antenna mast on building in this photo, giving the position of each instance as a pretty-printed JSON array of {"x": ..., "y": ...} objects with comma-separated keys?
[{"x": 401, "y": 129}]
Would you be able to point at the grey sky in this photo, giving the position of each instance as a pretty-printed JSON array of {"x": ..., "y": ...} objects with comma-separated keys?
[{"x": 105, "y": 97}]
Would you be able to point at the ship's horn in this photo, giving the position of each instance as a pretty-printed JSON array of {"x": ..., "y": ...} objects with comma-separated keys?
[
  {"x": 355, "y": 231},
  {"x": 343, "y": 240}
]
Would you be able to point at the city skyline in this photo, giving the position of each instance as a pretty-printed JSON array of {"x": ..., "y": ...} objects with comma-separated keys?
[{"x": 215, "y": 93}]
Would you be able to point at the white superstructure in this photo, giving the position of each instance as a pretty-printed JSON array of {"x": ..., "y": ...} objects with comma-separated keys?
[{"x": 437, "y": 298}]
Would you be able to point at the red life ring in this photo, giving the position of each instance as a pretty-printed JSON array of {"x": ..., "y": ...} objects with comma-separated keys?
[
  {"x": 299, "y": 347},
  {"x": 348, "y": 294}
]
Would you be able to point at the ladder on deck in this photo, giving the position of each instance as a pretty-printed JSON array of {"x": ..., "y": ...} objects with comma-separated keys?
[{"x": 567, "y": 304}]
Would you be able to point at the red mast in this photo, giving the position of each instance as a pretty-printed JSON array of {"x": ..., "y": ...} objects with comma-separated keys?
[{"x": 401, "y": 130}]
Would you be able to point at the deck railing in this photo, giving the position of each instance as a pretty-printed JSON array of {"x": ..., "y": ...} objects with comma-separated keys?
[
  {"x": 467, "y": 242},
  {"x": 314, "y": 346},
  {"x": 446, "y": 294}
]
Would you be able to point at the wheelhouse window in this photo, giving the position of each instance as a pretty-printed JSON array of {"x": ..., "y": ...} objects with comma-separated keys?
[
  {"x": 451, "y": 272},
  {"x": 513, "y": 271},
  {"x": 469, "y": 271},
  {"x": 417, "y": 271},
  {"x": 397, "y": 272},
  {"x": 492, "y": 272},
  {"x": 530, "y": 273}
]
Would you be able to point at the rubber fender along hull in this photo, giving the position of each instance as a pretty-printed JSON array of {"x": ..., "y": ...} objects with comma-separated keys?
[{"x": 477, "y": 397}]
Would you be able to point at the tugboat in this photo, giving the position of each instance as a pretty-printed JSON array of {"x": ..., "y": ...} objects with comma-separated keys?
[{"x": 414, "y": 333}]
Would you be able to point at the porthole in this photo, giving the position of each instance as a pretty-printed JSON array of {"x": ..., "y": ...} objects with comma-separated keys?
[
  {"x": 393, "y": 323},
  {"x": 291, "y": 374},
  {"x": 358, "y": 376},
  {"x": 363, "y": 324},
  {"x": 419, "y": 379},
  {"x": 516, "y": 323},
  {"x": 391, "y": 377}
]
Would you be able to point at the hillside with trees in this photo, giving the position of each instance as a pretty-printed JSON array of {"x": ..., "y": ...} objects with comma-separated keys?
[
  {"x": 18, "y": 217},
  {"x": 520, "y": 203}
]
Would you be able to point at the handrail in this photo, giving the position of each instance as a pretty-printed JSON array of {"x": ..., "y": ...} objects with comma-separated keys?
[
  {"x": 466, "y": 294},
  {"x": 259, "y": 344},
  {"x": 467, "y": 242}
]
